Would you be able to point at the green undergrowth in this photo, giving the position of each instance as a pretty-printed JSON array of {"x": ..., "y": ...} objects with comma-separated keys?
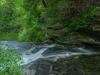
[{"x": 8, "y": 62}]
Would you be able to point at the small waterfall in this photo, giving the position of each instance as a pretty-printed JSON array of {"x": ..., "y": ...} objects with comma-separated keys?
[{"x": 30, "y": 57}]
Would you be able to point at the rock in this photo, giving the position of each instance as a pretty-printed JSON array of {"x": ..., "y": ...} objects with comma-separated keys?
[
  {"x": 96, "y": 28},
  {"x": 92, "y": 44},
  {"x": 29, "y": 72},
  {"x": 40, "y": 67},
  {"x": 82, "y": 65},
  {"x": 91, "y": 36},
  {"x": 57, "y": 26},
  {"x": 44, "y": 68}
]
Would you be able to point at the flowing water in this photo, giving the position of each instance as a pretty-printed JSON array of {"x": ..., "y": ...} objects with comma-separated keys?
[{"x": 35, "y": 55}]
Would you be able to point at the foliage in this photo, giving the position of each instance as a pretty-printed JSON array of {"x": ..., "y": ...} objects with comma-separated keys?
[
  {"x": 8, "y": 62},
  {"x": 29, "y": 18},
  {"x": 93, "y": 11},
  {"x": 10, "y": 15},
  {"x": 77, "y": 24},
  {"x": 56, "y": 11},
  {"x": 71, "y": 13},
  {"x": 86, "y": 19},
  {"x": 33, "y": 31}
]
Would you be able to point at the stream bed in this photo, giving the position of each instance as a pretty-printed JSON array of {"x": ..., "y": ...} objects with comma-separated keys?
[{"x": 54, "y": 59}]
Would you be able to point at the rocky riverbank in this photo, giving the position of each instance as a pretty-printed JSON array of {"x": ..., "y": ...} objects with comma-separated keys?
[
  {"x": 74, "y": 65},
  {"x": 87, "y": 36},
  {"x": 78, "y": 65}
]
